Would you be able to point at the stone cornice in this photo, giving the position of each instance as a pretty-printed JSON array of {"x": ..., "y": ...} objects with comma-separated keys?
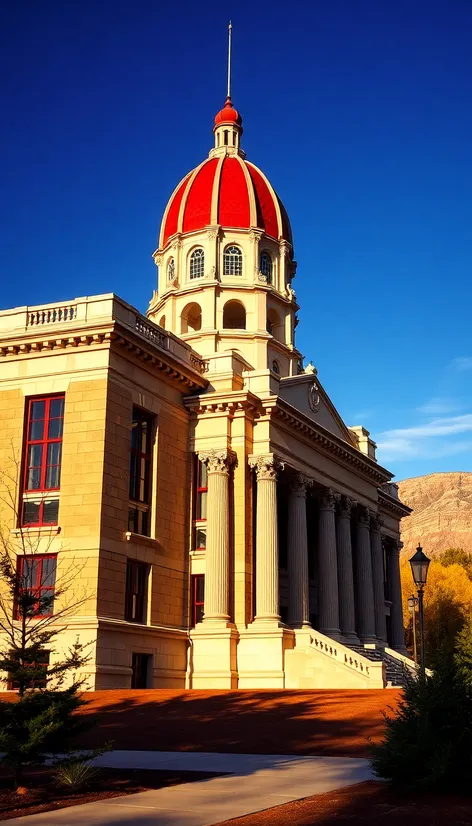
[
  {"x": 145, "y": 342},
  {"x": 334, "y": 446},
  {"x": 393, "y": 506},
  {"x": 231, "y": 403}
]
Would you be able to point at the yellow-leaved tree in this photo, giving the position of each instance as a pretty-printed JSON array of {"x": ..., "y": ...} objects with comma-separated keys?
[{"x": 447, "y": 606}]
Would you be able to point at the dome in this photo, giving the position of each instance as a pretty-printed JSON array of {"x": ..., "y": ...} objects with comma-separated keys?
[{"x": 226, "y": 190}]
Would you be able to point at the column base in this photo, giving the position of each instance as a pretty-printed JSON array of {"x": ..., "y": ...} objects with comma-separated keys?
[
  {"x": 351, "y": 639},
  {"x": 212, "y": 656},
  {"x": 261, "y": 654}
]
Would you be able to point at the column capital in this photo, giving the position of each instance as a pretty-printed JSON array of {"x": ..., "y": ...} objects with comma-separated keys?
[
  {"x": 363, "y": 516},
  {"x": 345, "y": 506},
  {"x": 299, "y": 483},
  {"x": 267, "y": 466},
  {"x": 218, "y": 461},
  {"x": 376, "y": 521},
  {"x": 328, "y": 499}
]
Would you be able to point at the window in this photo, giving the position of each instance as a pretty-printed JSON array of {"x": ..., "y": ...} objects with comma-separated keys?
[
  {"x": 276, "y": 366},
  {"x": 140, "y": 667},
  {"x": 197, "y": 599},
  {"x": 191, "y": 318},
  {"x": 265, "y": 266},
  {"x": 39, "y": 669},
  {"x": 197, "y": 263},
  {"x": 200, "y": 505},
  {"x": 136, "y": 587},
  {"x": 43, "y": 454},
  {"x": 139, "y": 511},
  {"x": 36, "y": 585},
  {"x": 234, "y": 316},
  {"x": 171, "y": 269},
  {"x": 232, "y": 261}
]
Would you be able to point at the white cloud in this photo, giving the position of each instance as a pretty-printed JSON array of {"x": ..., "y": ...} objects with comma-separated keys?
[
  {"x": 438, "y": 406},
  {"x": 429, "y": 440},
  {"x": 463, "y": 363}
]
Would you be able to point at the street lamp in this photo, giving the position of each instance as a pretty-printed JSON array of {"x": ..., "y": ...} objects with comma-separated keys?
[
  {"x": 419, "y": 568},
  {"x": 412, "y": 603}
]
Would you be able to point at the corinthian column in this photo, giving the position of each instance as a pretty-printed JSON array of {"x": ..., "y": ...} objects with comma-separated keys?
[
  {"x": 364, "y": 581},
  {"x": 298, "y": 585},
  {"x": 395, "y": 589},
  {"x": 328, "y": 607},
  {"x": 347, "y": 613},
  {"x": 378, "y": 577},
  {"x": 217, "y": 547},
  {"x": 267, "y": 538}
]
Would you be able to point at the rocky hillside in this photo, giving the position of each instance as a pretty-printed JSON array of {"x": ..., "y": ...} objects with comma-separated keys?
[{"x": 442, "y": 512}]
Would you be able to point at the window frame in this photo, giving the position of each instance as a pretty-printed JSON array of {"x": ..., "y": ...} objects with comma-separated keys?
[
  {"x": 141, "y": 507},
  {"x": 43, "y": 492},
  {"x": 199, "y": 490},
  {"x": 40, "y": 683},
  {"x": 195, "y": 604},
  {"x": 230, "y": 267},
  {"x": 136, "y": 599},
  {"x": 20, "y": 562},
  {"x": 198, "y": 254}
]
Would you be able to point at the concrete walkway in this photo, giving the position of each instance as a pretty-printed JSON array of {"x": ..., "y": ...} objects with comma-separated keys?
[{"x": 254, "y": 782}]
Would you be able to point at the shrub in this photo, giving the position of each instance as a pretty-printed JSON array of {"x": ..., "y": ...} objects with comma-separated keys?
[
  {"x": 428, "y": 742},
  {"x": 75, "y": 774}
]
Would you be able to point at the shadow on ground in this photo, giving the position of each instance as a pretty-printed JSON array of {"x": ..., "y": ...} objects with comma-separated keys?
[{"x": 329, "y": 723}]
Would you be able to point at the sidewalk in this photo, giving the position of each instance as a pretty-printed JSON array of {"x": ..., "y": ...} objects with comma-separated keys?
[{"x": 255, "y": 782}]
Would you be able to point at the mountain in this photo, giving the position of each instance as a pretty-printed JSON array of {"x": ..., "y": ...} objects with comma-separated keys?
[{"x": 442, "y": 512}]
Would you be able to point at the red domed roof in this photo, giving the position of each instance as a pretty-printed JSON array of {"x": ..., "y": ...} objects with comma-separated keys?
[
  {"x": 225, "y": 190},
  {"x": 228, "y": 114}
]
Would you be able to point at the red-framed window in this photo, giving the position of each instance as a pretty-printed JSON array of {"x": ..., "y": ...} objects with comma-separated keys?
[
  {"x": 136, "y": 588},
  {"x": 42, "y": 463},
  {"x": 197, "y": 598},
  {"x": 36, "y": 577},
  {"x": 200, "y": 505},
  {"x": 40, "y": 678},
  {"x": 139, "y": 510}
]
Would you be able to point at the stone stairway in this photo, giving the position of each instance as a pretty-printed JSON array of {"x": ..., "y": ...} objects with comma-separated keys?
[{"x": 398, "y": 672}]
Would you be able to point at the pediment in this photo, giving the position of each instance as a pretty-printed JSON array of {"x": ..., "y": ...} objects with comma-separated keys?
[{"x": 306, "y": 394}]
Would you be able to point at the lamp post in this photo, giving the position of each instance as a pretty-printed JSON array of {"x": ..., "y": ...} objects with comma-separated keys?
[
  {"x": 412, "y": 603},
  {"x": 419, "y": 568}
]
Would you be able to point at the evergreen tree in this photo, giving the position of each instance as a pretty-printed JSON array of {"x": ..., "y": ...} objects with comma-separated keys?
[{"x": 463, "y": 651}]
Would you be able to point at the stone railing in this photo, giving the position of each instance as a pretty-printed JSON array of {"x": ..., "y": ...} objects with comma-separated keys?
[
  {"x": 51, "y": 315},
  {"x": 202, "y": 365},
  {"x": 152, "y": 332},
  {"x": 409, "y": 664},
  {"x": 346, "y": 657}
]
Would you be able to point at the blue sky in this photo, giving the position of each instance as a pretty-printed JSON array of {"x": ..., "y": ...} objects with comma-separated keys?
[{"x": 357, "y": 110}]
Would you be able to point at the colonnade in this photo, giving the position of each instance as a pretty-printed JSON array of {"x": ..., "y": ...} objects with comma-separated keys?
[{"x": 351, "y": 598}]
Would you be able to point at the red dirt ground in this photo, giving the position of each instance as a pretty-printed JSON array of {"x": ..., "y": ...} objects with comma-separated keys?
[
  {"x": 257, "y": 722},
  {"x": 368, "y": 804}
]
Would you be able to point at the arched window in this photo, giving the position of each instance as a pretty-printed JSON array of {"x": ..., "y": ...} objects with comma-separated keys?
[
  {"x": 274, "y": 326},
  {"x": 162, "y": 322},
  {"x": 191, "y": 318},
  {"x": 234, "y": 316},
  {"x": 232, "y": 261},
  {"x": 171, "y": 269},
  {"x": 197, "y": 263},
  {"x": 276, "y": 366},
  {"x": 265, "y": 266}
]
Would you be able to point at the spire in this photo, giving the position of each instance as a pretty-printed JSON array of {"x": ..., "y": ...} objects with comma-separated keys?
[{"x": 230, "y": 34}]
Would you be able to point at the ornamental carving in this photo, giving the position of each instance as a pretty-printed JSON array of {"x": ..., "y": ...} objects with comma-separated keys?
[
  {"x": 363, "y": 517},
  {"x": 212, "y": 233},
  {"x": 376, "y": 521},
  {"x": 284, "y": 248},
  {"x": 260, "y": 276},
  {"x": 158, "y": 259},
  {"x": 291, "y": 294},
  {"x": 346, "y": 504},
  {"x": 314, "y": 400},
  {"x": 211, "y": 274},
  {"x": 218, "y": 461},
  {"x": 266, "y": 467},
  {"x": 328, "y": 500},
  {"x": 299, "y": 483},
  {"x": 177, "y": 242},
  {"x": 255, "y": 236}
]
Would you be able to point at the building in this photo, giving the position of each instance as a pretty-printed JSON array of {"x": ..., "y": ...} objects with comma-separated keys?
[{"x": 225, "y": 527}]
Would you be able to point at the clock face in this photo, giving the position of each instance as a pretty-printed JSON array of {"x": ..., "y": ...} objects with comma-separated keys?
[{"x": 314, "y": 396}]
